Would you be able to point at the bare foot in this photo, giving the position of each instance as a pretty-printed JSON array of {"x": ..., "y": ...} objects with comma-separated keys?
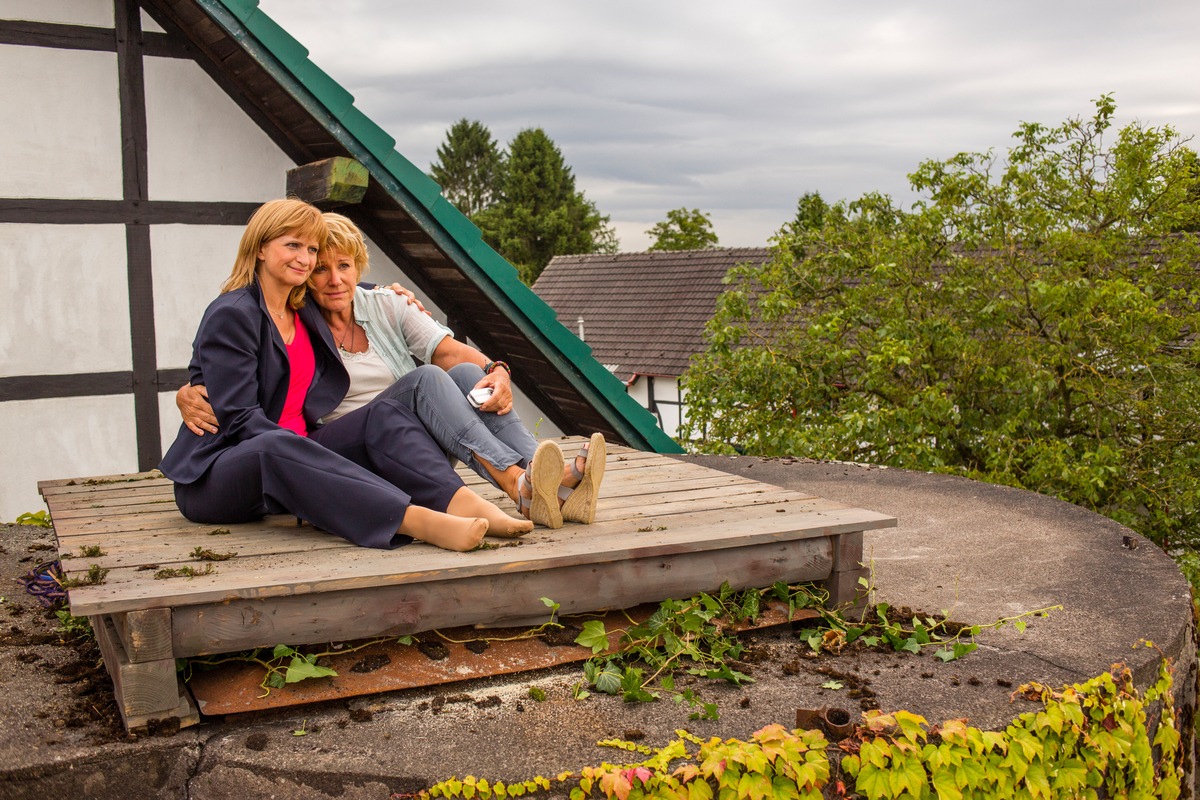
[
  {"x": 447, "y": 531},
  {"x": 468, "y": 504}
]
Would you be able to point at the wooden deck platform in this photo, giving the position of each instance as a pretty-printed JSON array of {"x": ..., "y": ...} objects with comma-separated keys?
[{"x": 664, "y": 529}]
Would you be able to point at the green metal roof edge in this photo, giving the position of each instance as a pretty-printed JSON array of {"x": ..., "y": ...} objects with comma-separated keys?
[{"x": 422, "y": 198}]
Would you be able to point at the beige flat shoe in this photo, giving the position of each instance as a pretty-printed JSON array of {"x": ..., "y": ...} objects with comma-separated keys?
[
  {"x": 543, "y": 478},
  {"x": 580, "y": 505}
]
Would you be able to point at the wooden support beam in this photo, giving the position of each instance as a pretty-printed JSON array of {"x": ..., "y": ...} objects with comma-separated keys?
[
  {"x": 501, "y": 599},
  {"x": 329, "y": 183},
  {"x": 145, "y": 635},
  {"x": 145, "y": 691},
  {"x": 843, "y": 582}
]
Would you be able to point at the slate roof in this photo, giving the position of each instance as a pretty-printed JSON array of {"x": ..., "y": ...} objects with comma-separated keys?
[
  {"x": 644, "y": 313},
  {"x": 311, "y": 117}
]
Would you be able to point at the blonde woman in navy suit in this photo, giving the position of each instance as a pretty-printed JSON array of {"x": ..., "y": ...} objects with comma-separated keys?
[{"x": 374, "y": 478}]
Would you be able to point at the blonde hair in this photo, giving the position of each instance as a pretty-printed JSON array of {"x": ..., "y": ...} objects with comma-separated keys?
[
  {"x": 345, "y": 237},
  {"x": 273, "y": 219}
]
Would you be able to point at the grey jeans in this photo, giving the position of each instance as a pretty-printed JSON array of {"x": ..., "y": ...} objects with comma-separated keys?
[{"x": 439, "y": 398}]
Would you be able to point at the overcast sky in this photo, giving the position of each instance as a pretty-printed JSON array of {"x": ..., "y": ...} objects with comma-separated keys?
[{"x": 739, "y": 108}]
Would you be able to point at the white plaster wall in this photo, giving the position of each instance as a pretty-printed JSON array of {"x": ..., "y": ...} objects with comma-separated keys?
[
  {"x": 61, "y": 438},
  {"x": 96, "y": 13},
  {"x": 665, "y": 388},
  {"x": 637, "y": 390},
  {"x": 201, "y": 146},
  {"x": 67, "y": 309},
  {"x": 668, "y": 389},
  {"x": 148, "y": 24},
  {"x": 533, "y": 417},
  {"x": 190, "y": 264},
  {"x": 168, "y": 419},
  {"x": 62, "y": 138}
]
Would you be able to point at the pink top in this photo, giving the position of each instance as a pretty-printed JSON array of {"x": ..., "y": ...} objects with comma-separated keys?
[{"x": 303, "y": 366}]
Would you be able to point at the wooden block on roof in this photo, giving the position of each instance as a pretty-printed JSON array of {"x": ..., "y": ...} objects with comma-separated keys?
[{"x": 329, "y": 183}]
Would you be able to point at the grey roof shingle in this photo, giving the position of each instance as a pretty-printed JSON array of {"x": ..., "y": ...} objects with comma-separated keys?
[{"x": 643, "y": 313}]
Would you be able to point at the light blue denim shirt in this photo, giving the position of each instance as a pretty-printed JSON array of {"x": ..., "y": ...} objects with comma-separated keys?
[{"x": 396, "y": 329}]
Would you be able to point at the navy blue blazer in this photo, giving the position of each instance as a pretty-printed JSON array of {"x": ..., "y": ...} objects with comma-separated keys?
[{"x": 240, "y": 356}]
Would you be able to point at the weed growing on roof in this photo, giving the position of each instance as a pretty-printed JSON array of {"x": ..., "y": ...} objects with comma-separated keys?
[
  {"x": 182, "y": 572},
  {"x": 698, "y": 637},
  {"x": 40, "y": 519},
  {"x": 202, "y": 554},
  {"x": 93, "y": 577}
]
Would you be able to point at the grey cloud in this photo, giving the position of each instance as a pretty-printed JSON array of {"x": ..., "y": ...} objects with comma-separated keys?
[{"x": 738, "y": 110}]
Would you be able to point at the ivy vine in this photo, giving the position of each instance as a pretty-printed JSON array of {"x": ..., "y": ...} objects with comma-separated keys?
[{"x": 1088, "y": 740}]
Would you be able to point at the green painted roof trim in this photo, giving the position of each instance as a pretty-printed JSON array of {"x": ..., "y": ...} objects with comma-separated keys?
[{"x": 421, "y": 197}]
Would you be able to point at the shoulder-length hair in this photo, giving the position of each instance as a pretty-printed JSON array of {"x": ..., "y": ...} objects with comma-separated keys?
[
  {"x": 275, "y": 218},
  {"x": 345, "y": 237}
]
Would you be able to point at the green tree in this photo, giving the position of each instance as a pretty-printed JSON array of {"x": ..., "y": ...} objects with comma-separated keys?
[
  {"x": 539, "y": 213},
  {"x": 683, "y": 229},
  {"x": 469, "y": 166},
  {"x": 811, "y": 209},
  {"x": 1030, "y": 323}
]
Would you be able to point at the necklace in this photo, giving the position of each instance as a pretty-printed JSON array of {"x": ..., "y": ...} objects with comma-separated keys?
[
  {"x": 351, "y": 330},
  {"x": 279, "y": 315}
]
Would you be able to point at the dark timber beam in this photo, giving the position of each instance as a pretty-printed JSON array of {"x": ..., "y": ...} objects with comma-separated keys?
[{"x": 329, "y": 183}]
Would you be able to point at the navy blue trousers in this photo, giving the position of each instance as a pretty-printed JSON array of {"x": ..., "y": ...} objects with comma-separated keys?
[{"x": 354, "y": 477}]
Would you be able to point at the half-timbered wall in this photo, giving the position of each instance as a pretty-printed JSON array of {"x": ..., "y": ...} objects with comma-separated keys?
[
  {"x": 126, "y": 173},
  {"x": 662, "y": 396}
]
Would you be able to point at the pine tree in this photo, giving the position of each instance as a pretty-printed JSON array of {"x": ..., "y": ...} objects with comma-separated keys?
[
  {"x": 540, "y": 213},
  {"x": 469, "y": 166}
]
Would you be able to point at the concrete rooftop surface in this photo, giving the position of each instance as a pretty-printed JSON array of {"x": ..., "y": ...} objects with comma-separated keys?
[{"x": 980, "y": 552}]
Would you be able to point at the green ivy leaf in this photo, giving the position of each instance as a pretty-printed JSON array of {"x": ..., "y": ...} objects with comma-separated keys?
[
  {"x": 945, "y": 786},
  {"x": 1071, "y": 775},
  {"x": 607, "y": 679},
  {"x": 593, "y": 635},
  {"x": 301, "y": 669}
]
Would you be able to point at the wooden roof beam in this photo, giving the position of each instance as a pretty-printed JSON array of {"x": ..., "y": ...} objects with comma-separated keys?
[{"x": 329, "y": 183}]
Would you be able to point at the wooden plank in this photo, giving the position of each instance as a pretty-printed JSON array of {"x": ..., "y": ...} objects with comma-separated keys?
[
  {"x": 143, "y": 532},
  {"x": 69, "y": 485},
  {"x": 85, "y": 496},
  {"x": 171, "y": 544},
  {"x": 493, "y": 599},
  {"x": 133, "y": 512},
  {"x": 409, "y": 563},
  {"x": 145, "y": 635},
  {"x": 145, "y": 689},
  {"x": 328, "y": 183},
  {"x": 306, "y": 540},
  {"x": 354, "y": 567}
]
